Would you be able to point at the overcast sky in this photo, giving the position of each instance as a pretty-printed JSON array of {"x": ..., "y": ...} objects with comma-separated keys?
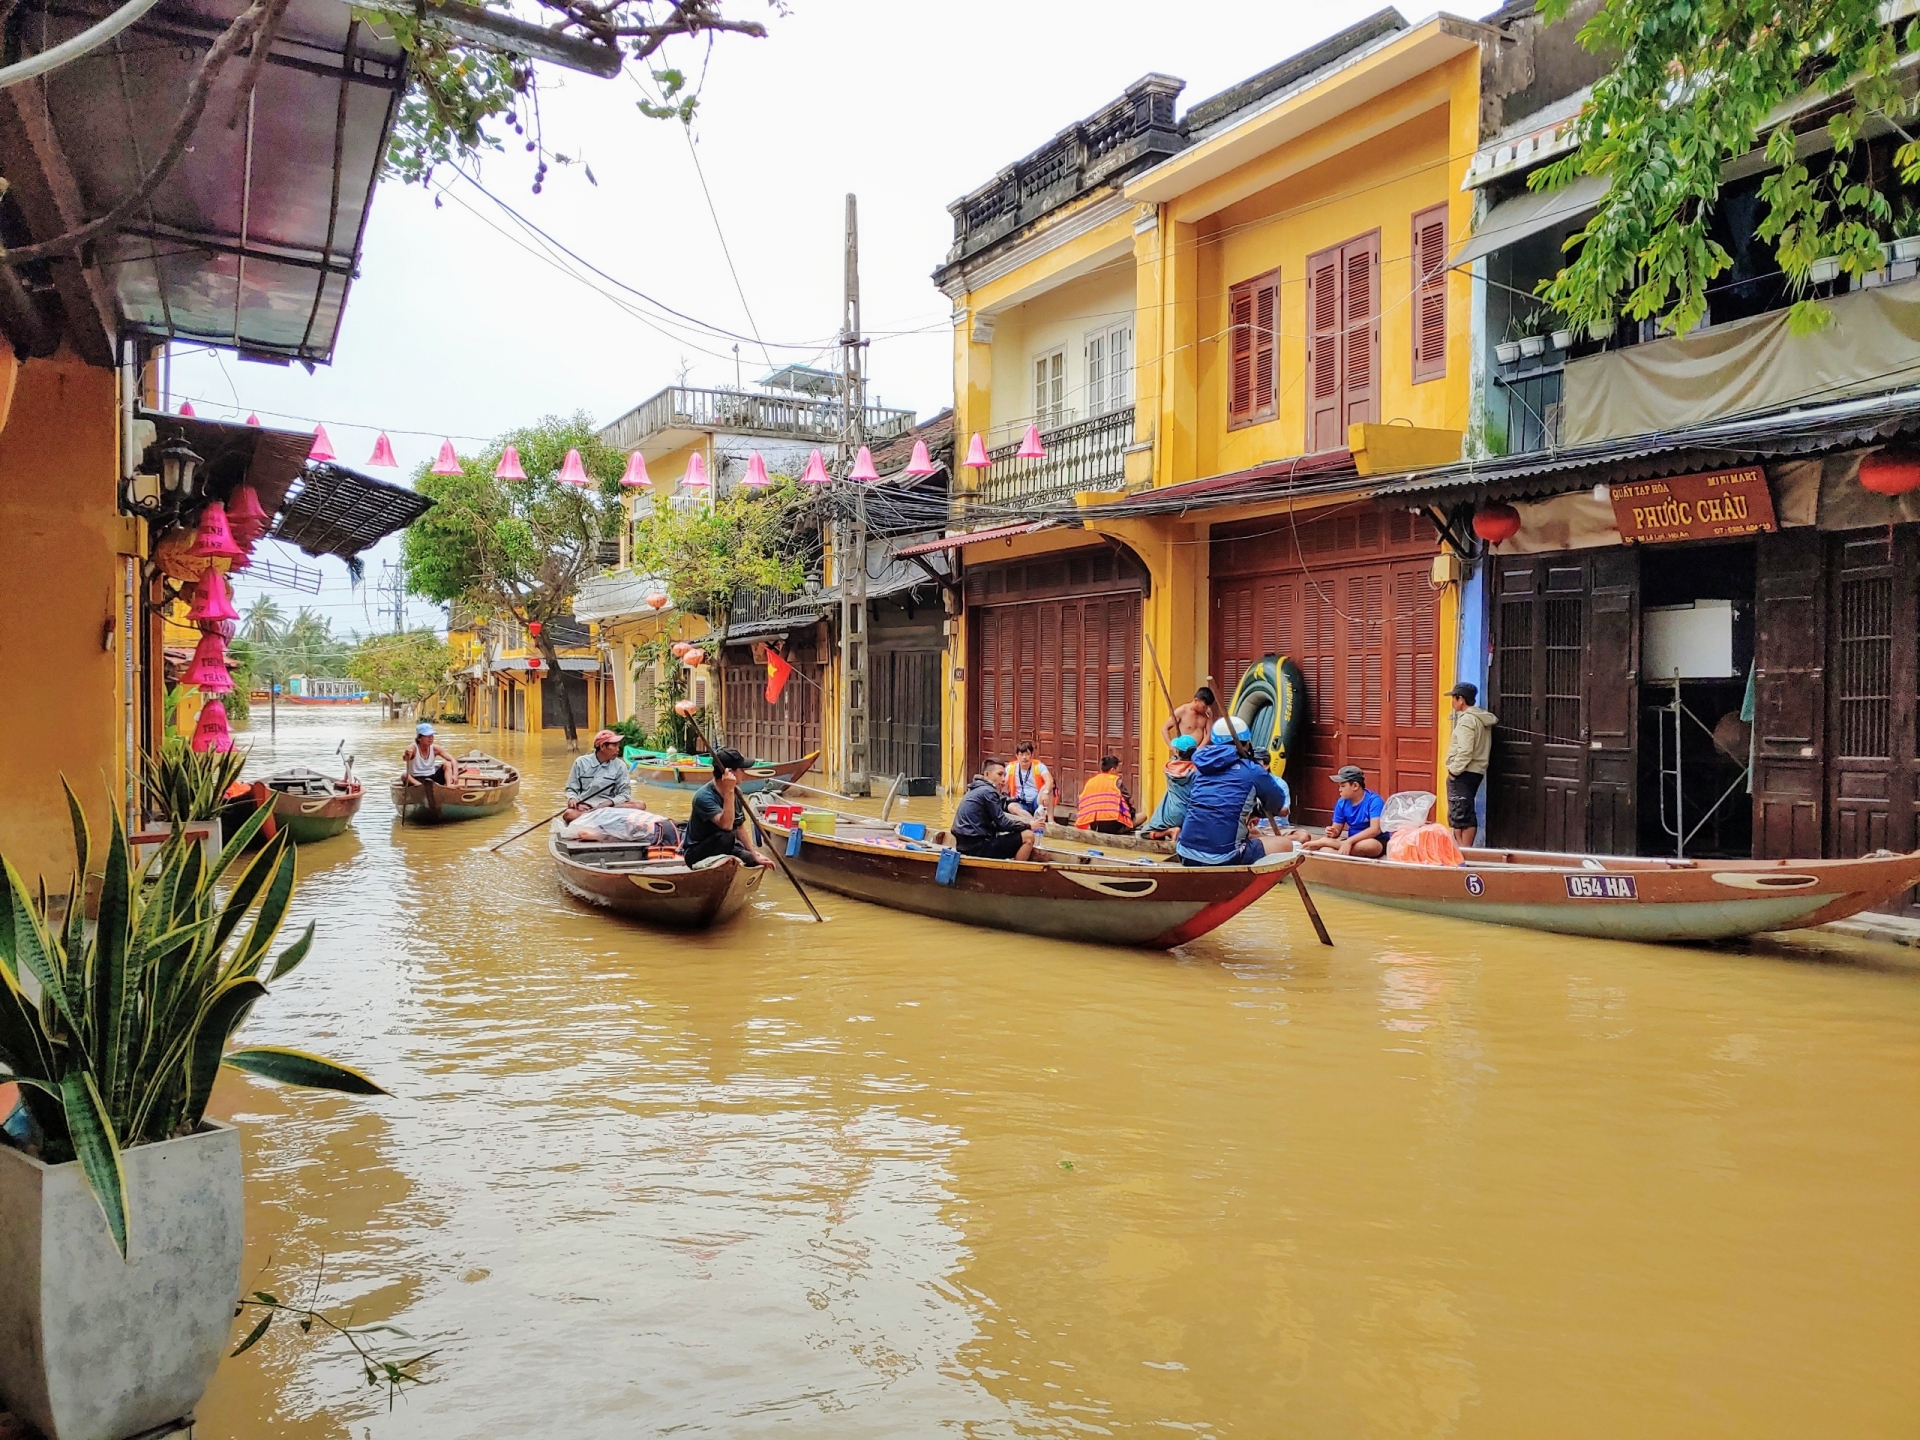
[{"x": 455, "y": 328}]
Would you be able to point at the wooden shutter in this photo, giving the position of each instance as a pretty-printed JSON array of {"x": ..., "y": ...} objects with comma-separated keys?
[
  {"x": 1323, "y": 352},
  {"x": 1360, "y": 325},
  {"x": 1253, "y": 321},
  {"x": 1430, "y": 294},
  {"x": 1789, "y": 733}
]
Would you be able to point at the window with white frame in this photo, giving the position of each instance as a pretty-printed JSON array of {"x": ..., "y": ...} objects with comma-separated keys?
[
  {"x": 1050, "y": 389},
  {"x": 1109, "y": 369}
]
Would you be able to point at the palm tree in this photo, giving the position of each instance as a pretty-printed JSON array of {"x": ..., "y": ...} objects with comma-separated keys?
[{"x": 263, "y": 620}]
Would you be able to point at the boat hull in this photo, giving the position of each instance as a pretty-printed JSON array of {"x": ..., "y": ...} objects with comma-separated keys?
[
  {"x": 1623, "y": 897},
  {"x": 1144, "y": 904},
  {"x": 308, "y": 818},
  {"x": 692, "y": 776},
  {"x": 658, "y": 892}
]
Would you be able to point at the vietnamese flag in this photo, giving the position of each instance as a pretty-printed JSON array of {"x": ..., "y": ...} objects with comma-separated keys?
[{"x": 778, "y": 673}]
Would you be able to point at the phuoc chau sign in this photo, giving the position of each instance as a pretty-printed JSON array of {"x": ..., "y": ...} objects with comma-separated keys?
[{"x": 1719, "y": 506}]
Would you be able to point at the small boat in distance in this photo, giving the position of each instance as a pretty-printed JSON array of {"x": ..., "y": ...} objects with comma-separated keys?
[
  {"x": 1623, "y": 897},
  {"x": 1064, "y": 894},
  {"x": 487, "y": 787},
  {"x": 310, "y": 806},
  {"x": 690, "y": 772},
  {"x": 651, "y": 885}
]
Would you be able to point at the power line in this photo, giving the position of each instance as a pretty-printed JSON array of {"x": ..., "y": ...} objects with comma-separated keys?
[{"x": 712, "y": 210}]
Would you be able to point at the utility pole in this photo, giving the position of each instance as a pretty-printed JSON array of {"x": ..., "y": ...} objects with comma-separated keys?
[
  {"x": 850, "y": 542},
  {"x": 393, "y": 582}
]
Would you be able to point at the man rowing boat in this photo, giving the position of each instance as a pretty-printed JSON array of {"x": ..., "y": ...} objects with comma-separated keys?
[{"x": 426, "y": 763}]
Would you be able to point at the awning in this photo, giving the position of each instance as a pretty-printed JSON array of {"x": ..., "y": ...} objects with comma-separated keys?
[
  {"x": 1294, "y": 477},
  {"x": 572, "y": 664},
  {"x": 974, "y": 537},
  {"x": 1528, "y": 214},
  {"x": 337, "y": 511},
  {"x": 233, "y": 454},
  {"x": 769, "y": 625}
]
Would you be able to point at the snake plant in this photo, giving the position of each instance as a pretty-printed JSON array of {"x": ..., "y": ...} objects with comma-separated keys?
[
  {"x": 115, "y": 1031},
  {"x": 186, "y": 784}
]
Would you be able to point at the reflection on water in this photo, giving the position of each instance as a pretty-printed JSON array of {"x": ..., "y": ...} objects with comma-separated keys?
[{"x": 892, "y": 1177}]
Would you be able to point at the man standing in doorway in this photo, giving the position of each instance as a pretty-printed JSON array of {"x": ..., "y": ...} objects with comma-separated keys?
[
  {"x": 1194, "y": 718},
  {"x": 1467, "y": 754}
]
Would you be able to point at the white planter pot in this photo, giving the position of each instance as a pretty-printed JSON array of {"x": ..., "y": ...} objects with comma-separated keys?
[
  {"x": 1823, "y": 270},
  {"x": 1907, "y": 247},
  {"x": 93, "y": 1347},
  {"x": 1532, "y": 345},
  {"x": 1507, "y": 351},
  {"x": 1561, "y": 340}
]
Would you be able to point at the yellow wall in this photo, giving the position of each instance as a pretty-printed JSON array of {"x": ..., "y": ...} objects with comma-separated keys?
[
  {"x": 62, "y": 573},
  {"x": 1059, "y": 319}
]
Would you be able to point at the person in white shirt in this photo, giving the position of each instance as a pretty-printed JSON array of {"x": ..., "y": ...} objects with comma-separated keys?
[{"x": 426, "y": 762}]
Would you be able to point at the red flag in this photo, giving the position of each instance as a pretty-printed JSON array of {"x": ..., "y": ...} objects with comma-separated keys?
[{"x": 778, "y": 672}]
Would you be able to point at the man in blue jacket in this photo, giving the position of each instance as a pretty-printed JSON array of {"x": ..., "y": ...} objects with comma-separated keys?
[{"x": 1226, "y": 783}]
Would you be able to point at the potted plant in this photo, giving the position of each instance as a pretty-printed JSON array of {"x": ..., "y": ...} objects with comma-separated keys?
[
  {"x": 1824, "y": 270},
  {"x": 1905, "y": 244},
  {"x": 1561, "y": 340},
  {"x": 120, "y": 1254},
  {"x": 182, "y": 783}
]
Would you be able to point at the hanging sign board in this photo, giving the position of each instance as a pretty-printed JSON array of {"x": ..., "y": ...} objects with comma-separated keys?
[{"x": 1720, "y": 506}]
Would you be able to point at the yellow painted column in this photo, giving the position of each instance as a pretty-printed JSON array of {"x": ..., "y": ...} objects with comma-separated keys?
[
  {"x": 1148, "y": 346},
  {"x": 1176, "y": 432}
]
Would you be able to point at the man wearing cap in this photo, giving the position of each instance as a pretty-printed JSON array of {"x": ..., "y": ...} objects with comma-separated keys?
[
  {"x": 1468, "y": 751},
  {"x": 425, "y": 763},
  {"x": 599, "y": 779},
  {"x": 1356, "y": 828},
  {"x": 719, "y": 825},
  {"x": 1172, "y": 808},
  {"x": 1226, "y": 784}
]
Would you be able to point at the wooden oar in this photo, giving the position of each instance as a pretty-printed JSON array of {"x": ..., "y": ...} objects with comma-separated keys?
[
  {"x": 548, "y": 819},
  {"x": 1319, "y": 925}
]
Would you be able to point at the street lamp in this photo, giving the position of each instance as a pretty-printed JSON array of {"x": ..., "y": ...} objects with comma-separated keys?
[{"x": 170, "y": 494}]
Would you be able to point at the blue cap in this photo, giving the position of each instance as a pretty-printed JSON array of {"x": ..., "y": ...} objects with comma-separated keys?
[
  {"x": 1185, "y": 744},
  {"x": 423, "y": 728}
]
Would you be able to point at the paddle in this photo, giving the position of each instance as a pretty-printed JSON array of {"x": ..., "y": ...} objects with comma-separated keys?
[
  {"x": 547, "y": 819},
  {"x": 773, "y": 850},
  {"x": 1319, "y": 926},
  {"x": 1173, "y": 710}
]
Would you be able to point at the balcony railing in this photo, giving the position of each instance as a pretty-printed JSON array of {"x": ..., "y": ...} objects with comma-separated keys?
[
  {"x": 1086, "y": 455},
  {"x": 747, "y": 412}
]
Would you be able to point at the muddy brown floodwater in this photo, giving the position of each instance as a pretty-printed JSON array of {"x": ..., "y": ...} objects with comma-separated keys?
[{"x": 887, "y": 1176}]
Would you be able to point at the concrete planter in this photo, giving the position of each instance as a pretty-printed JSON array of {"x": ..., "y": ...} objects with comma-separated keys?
[{"x": 96, "y": 1348}]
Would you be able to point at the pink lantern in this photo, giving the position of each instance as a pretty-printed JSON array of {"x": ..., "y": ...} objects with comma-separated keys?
[
  {"x": 242, "y": 561},
  {"x": 815, "y": 472},
  {"x": 509, "y": 466},
  {"x": 322, "y": 447},
  {"x": 383, "y": 453},
  {"x": 863, "y": 466},
  {"x": 211, "y": 601},
  {"x": 756, "y": 475},
  {"x": 696, "y": 476},
  {"x": 253, "y": 419},
  {"x": 225, "y": 629},
  {"x": 186, "y": 408},
  {"x": 1030, "y": 447},
  {"x": 245, "y": 517},
  {"x": 572, "y": 472},
  {"x": 446, "y": 463},
  {"x": 684, "y": 707},
  {"x": 208, "y": 670},
  {"x": 656, "y": 601},
  {"x": 215, "y": 540},
  {"x": 211, "y": 732},
  {"x": 977, "y": 454},
  {"x": 922, "y": 463},
  {"x": 695, "y": 656},
  {"x": 636, "y": 472},
  {"x": 679, "y": 648}
]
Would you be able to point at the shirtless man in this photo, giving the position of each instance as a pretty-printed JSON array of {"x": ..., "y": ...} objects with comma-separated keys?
[{"x": 1194, "y": 718}]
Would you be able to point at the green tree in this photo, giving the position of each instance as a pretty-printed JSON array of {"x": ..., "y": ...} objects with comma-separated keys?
[
  {"x": 402, "y": 669},
  {"x": 518, "y": 549},
  {"x": 1693, "y": 87},
  {"x": 710, "y": 555},
  {"x": 262, "y": 621}
]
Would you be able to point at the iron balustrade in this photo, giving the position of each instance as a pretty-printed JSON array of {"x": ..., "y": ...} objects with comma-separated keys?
[
  {"x": 748, "y": 412},
  {"x": 1082, "y": 455}
]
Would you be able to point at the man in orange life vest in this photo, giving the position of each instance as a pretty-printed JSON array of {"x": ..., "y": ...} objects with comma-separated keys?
[
  {"x": 1105, "y": 805},
  {"x": 1030, "y": 784}
]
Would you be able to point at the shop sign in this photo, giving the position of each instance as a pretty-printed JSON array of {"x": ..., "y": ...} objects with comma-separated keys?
[{"x": 1719, "y": 506}]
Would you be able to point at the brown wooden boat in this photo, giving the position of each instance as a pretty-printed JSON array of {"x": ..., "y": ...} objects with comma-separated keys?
[
  {"x": 621, "y": 876},
  {"x": 686, "y": 772},
  {"x": 487, "y": 787},
  {"x": 1624, "y": 897},
  {"x": 1063, "y": 894}
]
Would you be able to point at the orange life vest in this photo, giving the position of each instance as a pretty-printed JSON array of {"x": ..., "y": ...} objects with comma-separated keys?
[{"x": 1101, "y": 799}]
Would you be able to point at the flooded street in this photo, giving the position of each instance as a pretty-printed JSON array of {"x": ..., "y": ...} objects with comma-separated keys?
[{"x": 888, "y": 1176}]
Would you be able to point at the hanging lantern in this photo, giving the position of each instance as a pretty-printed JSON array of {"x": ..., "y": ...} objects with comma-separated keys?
[
  {"x": 684, "y": 707},
  {"x": 383, "y": 453},
  {"x": 534, "y": 662},
  {"x": 225, "y": 629},
  {"x": 921, "y": 464},
  {"x": 863, "y": 466},
  {"x": 245, "y": 518},
  {"x": 1496, "y": 523},
  {"x": 815, "y": 472},
  {"x": 977, "y": 454},
  {"x": 572, "y": 472},
  {"x": 446, "y": 463},
  {"x": 322, "y": 447},
  {"x": 695, "y": 657},
  {"x": 656, "y": 601},
  {"x": 1890, "y": 472},
  {"x": 756, "y": 476},
  {"x": 696, "y": 476},
  {"x": 679, "y": 648},
  {"x": 252, "y": 419},
  {"x": 636, "y": 472},
  {"x": 1030, "y": 447},
  {"x": 211, "y": 601},
  {"x": 210, "y": 732},
  {"x": 215, "y": 540},
  {"x": 208, "y": 669},
  {"x": 509, "y": 466},
  {"x": 242, "y": 561},
  {"x": 186, "y": 409},
  {"x": 533, "y": 628}
]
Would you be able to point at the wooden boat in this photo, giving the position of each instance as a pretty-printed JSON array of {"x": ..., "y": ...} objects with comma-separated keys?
[
  {"x": 1064, "y": 894},
  {"x": 619, "y": 876},
  {"x": 310, "y": 806},
  {"x": 1623, "y": 897},
  {"x": 487, "y": 787},
  {"x": 686, "y": 772}
]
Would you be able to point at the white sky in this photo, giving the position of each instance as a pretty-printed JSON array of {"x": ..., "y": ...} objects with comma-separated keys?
[{"x": 455, "y": 330}]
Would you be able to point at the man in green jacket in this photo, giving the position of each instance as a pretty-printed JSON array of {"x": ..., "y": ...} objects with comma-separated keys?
[{"x": 1467, "y": 755}]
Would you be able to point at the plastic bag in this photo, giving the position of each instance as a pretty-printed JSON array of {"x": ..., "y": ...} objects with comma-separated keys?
[
  {"x": 616, "y": 823},
  {"x": 1424, "y": 845}
]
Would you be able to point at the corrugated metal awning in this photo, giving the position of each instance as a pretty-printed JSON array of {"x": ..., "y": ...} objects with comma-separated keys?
[
  {"x": 974, "y": 537},
  {"x": 1528, "y": 214}
]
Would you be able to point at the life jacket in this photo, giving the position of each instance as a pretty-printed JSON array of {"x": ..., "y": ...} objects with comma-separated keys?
[
  {"x": 1100, "y": 799},
  {"x": 1038, "y": 779}
]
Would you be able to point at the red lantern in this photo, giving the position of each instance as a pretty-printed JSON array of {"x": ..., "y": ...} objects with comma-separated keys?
[
  {"x": 656, "y": 601},
  {"x": 1890, "y": 472},
  {"x": 695, "y": 656},
  {"x": 679, "y": 648},
  {"x": 534, "y": 662},
  {"x": 1496, "y": 523},
  {"x": 533, "y": 628}
]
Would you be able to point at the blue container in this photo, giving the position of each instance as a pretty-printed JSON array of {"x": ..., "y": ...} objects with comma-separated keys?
[
  {"x": 911, "y": 830},
  {"x": 795, "y": 837},
  {"x": 948, "y": 869}
]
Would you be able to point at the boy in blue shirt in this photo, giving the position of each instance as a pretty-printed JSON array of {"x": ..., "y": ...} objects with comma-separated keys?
[{"x": 1356, "y": 818}]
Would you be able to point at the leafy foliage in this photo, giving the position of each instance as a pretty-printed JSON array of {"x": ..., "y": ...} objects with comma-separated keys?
[
  {"x": 1694, "y": 86},
  {"x": 129, "y": 1021},
  {"x": 183, "y": 784},
  {"x": 405, "y": 669},
  {"x": 709, "y": 555}
]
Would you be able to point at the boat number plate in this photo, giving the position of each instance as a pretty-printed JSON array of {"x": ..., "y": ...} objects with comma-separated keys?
[
  {"x": 1601, "y": 887},
  {"x": 1475, "y": 884}
]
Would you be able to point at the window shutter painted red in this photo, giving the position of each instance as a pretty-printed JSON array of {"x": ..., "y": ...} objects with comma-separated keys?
[
  {"x": 1266, "y": 340},
  {"x": 1430, "y": 294},
  {"x": 1360, "y": 364},
  {"x": 1240, "y": 348},
  {"x": 1323, "y": 352}
]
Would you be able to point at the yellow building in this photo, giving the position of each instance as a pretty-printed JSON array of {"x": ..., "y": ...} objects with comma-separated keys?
[
  {"x": 1220, "y": 325},
  {"x": 508, "y": 685}
]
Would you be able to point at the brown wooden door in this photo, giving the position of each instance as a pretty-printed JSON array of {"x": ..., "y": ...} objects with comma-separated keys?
[
  {"x": 785, "y": 730},
  {"x": 904, "y": 713},
  {"x": 1789, "y": 729}
]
